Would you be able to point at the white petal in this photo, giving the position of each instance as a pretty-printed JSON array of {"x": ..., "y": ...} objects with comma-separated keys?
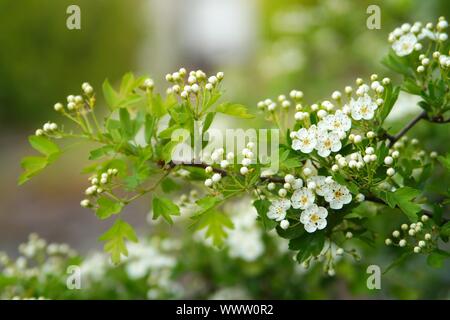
[
  {"x": 310, "y": 227},
  {"x": 322, "y": 223}
]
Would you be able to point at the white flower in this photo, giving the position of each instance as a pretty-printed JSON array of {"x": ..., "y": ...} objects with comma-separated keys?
[
  {"x": 302, "y": 198},
  {"x": 305, "y": 140},
  {"x": 337, "y": 196},
  {"x": 314, "y": 218},
  {"x": 405, "y": 44},
  {"x": 425, "y": 33},
  {"x": 363, "y": 108},
  {"x": 277, "y": 210},
  {"x": 297, "y": 184},
  {"x": 321, "y": 185},
  {"x": 327, "y": 141},
  {"x": 339, "y": 122}
]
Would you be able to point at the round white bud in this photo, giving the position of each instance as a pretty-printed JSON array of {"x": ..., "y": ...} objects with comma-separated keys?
[
  {"x": 284, "y": 224},
  {"x": 58, "y": 107},
  {"x": 402, "y": 243},
  {"x": 216, "y": 177},
  {"x": 85, "y": 203},
  {"x": 388, "y": 242},
  {"x": 307, "y": 171},
  {"x": 271, "y": 186},
  {"x": 224, "y": 164},
  {"x": 230, "y": 156},
  {"x": 357, "y": 139},
  {"x": 334, "y": 168},
  {"x": 388, "y": 160},
  {"x": 427, "y": 236},
  {"x": 289, "y": 178},
  {"x": 395, "y": 154},
  {"x": 321, "y": 114},
  {"x": 282, "y": 192},
  {"x": 348, "y": 235},
  {"x": 208, "y": 169},
  {"x": 208, "y": 182},
  {"x": 390, "y": 172},
  {"x": 416, "y": 249},
  {"x": 336, "y": 95},
  {"x": 243, "y": 170},
  {"x": 396, "y": 233},
  {"x": 360, "y": 197}
]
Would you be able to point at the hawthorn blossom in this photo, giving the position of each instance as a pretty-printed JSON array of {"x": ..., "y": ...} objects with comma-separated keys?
[
  {"x": 313, "y": 218},
  {"x": 277, "y": 210},
  {"x": 302, "y": 198},
  {"x": 297, "y": 184},
  {"x": 339, "y": 123},
  {"x": 405, "y": 44},
  {"x": 305, "y": 140},
  {"x": 363, "y": 108},
  {"x": 321, "y": 186},
  {"x": 338, "y": 195},
  {"x": 327, "y": 141}
]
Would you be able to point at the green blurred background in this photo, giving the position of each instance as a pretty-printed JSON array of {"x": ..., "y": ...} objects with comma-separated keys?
[{"x": 264, "y": 47}]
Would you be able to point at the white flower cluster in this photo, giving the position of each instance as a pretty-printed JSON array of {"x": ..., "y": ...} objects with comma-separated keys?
[
  {"x": 303, "y": 197},
  {"x": 98, "y": 184},
  {"x": 194, "y": 84},
  {"x": 38, "y": 262},
  {"x": 271, "y": 106},
  {"x": 47, "y": 128},
  {"x": 335, "y": 119},
  {"x": 418, "y": 236},
  {"x": 245, "y": 239},
  {"x": 217, "y": 157},
  {"x": 405, "y": 39}
]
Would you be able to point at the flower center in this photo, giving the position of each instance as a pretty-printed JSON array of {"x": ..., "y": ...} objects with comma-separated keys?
[
  {"x": 364, "y": 109},
  {"x": 304, "y": 199},
  {"x": 338, "y": 194},
  {"x": 314, "y": 218},
  {"x": 327, "y": 144}
]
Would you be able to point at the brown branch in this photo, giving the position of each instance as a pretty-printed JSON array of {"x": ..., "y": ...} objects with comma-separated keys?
[
  {"x": 393, "y": 139},
  {"x": 423, "y": 115}
]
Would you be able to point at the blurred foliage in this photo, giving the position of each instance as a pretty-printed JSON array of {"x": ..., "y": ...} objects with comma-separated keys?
[{"x": 41, "y": 60}]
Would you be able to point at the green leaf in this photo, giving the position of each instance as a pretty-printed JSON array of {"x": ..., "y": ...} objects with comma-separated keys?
[
  {"x": 262, "y": 207},
  {"x": 126, "y": 123},
  {"x": 235, "y": 110},
  {"x": 445, "y": 230},
  {"x": 390, "y": 98},
  {"x": 111, "y": 96},
  {"x": 101, "y": 152},
  {"x": 168, "y": 185},
  {"x": 149, "y": 128},
  {"x": 32, "y": 166},
  {"x": 107, "y": 207},
  {"x": 445, "y": 161},
  {"x": 44, "y": 145},
  {"x": 167, "y": 150},
  {"x": 208, "y": 121},
  {"x": 215, "y": 223},
  {"x": 165, "y": 208},
  {"x": 402, "y": 198},
  {"x": 308, "y": 244},
  {"x": 115, "y": 239},
  {"x": 436, "y": 258}
]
